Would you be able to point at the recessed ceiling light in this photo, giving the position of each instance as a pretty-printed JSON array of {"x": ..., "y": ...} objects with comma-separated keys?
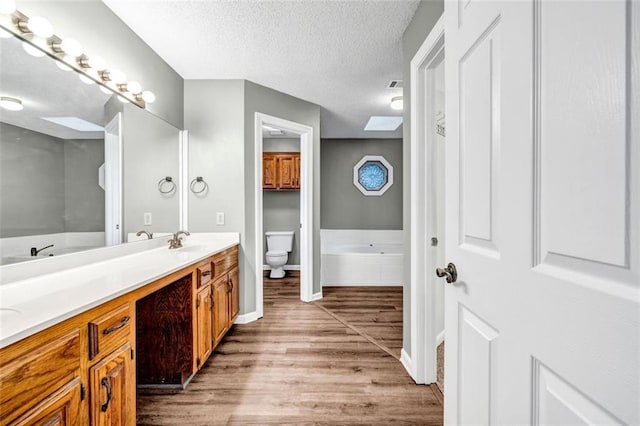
[
  {"x": 75, "y": 123},
  {"x": 12, "y": 104},
  {"x": 383, "y": 123}
]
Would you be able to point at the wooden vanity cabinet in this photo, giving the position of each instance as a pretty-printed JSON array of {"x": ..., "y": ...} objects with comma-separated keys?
[
  {"x": 234, "y": 296},
  {"x": 220, "y": 309},
  {"x": 280, "y": 171},
  {"x": 204, "y": 307}
]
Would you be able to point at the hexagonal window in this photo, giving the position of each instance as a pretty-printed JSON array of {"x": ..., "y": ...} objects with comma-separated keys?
[{"x": 373, "y": 175}]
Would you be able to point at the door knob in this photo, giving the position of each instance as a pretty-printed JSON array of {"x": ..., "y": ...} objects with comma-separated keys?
[{"x": 450, "y": 272}]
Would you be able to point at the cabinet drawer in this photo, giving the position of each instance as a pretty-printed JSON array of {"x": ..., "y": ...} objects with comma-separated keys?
[
  {"x": 224, "y": 261},
  {"x": 109, "y": 330},
  {"x": 30, "y": 374},
  {"x": 204, "y": 271}
]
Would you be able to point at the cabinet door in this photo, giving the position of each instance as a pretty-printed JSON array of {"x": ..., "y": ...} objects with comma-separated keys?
[
  {"x": 234, "y": 295},
  {"x": 286, "y": 169},
  {"x": 112, "y": 383},
  {"x": 296, "y": 171},
  {"x": 204, "y": 304},
  {"x": 60, "y": 408},
  {"x": 220, "y": 309},
  {"x": 269, "y": 171}
]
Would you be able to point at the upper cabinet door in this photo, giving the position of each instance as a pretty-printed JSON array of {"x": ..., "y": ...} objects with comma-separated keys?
[
  {"x": 286, "y": 169},
  {"x": 269, "y": 171},
  {"x": 542, "y": 218}
]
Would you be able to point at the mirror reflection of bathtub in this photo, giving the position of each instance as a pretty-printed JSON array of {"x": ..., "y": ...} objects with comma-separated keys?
[{"x": 361, "y": 257}]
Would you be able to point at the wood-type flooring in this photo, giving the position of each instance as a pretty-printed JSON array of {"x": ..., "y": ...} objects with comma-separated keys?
[{"x": 296, "y": 366}]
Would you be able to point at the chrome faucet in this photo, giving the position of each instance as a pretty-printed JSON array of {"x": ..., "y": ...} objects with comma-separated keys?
[
  {"x": 176, "y": 241},
  {"x": 149, "y": 234},
  {"x": 35, "y": 251}
]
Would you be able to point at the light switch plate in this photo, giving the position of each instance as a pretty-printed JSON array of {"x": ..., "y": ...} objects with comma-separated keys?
[
  {"x": 219, "y": 218},
  {"x": 148, "y": 219}
]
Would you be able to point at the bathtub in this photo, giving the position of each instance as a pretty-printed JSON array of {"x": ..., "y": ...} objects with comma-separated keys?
[
  {"x": 16, "y": 249},
  {"x": 361, "y": 258}
]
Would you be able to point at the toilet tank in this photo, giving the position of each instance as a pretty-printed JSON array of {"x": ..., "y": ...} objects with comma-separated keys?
[{"x": 280, "y": 241}]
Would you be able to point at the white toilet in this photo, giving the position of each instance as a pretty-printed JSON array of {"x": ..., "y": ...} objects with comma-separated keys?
[{"x": 279, "y": 244}]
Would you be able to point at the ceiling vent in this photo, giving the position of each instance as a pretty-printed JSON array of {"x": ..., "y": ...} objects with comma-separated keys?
[{"x": 395, "y": 84}]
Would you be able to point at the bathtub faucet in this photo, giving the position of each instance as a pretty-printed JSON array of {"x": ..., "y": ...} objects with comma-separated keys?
[
  {"x": 35, "y": 251},
  {"x": 176, "y": 241}
]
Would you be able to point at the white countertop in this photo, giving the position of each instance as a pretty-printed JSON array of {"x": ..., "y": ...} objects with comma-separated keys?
[{"x": 30, "y": 305}]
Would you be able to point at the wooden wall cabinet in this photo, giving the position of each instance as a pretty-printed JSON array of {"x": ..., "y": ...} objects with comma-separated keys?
[{"x": 280, "y": 171}]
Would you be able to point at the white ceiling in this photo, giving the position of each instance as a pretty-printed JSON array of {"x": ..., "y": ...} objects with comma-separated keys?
[{"x": 339, "y": 54}]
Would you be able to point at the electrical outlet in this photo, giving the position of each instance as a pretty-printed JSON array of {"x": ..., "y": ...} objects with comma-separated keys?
[
  {"x": 148, "y": 218},
  {"x": 219, "y": 218}
]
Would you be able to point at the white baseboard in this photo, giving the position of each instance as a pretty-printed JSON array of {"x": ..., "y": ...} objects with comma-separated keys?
[
  {"x": 285, "y": 267},
  {"x": 440, "y": 338},
  {"x": 247, "y": 318},
  {"x": 406, "y": 362},
  {"x": 343, "y": 284},
  {"x": 316, "y": 296}
]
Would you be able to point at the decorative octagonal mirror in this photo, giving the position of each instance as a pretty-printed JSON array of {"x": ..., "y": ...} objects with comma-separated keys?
[{"x": 373, "y": 175}]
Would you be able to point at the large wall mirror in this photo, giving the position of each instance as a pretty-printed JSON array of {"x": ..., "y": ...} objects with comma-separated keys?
[{"x": 78, "y": 168}]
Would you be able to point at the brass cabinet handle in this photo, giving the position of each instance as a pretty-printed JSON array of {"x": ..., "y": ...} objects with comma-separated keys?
[
  {"x": 107, "y": 385},
  {"x": 206, "y": 273},
  {"x": 118, "y": 326},
  {"x": 450, "y": 272}
]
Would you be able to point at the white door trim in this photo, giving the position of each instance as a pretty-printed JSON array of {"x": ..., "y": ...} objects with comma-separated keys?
[
  {"x": 113, "y": 181},
  {"x": 306, "y": 206},
  {"x": 424, "y": 337}
]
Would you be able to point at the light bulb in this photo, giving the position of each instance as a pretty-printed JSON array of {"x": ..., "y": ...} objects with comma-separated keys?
[
  {"x": 97, "y": 63},
  {"x": 40, "y": 27},
  {"x": 71, "y": 47},
  {"x": 12, "y": 104},
  {"x": 134, "y": 87},
  {"x": 62, "y": 65},
  {"x": 32, "y": 50},
  {"x": 397, "y": 103},
  {"x": 7, "y": 7},
  {"x": 85, "y": 79},
  {"x": 5, "y": 34},
  {"x": 148, "y": 96},
  {"x": 117, "y": 77}
]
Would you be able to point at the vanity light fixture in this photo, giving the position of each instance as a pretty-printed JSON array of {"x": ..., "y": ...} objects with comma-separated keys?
[
  {"x": 38, "y": 40},
  {"x": 7, "y": 7},
  {"x": 12, "y": 104},
  {"x": 397, "y": 103}
]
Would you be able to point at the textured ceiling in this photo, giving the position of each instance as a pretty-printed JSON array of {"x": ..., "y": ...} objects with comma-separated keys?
[{"x": 339, "y": 54}]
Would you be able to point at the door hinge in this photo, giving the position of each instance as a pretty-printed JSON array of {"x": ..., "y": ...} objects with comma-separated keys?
[
  {"x": 197, "y": 303},
  {"x": 131, "y": 353},
  {"x": 82, "y": 392},
  {"x": 198, "y": 361},
  {"x": 434, "y": 242}
]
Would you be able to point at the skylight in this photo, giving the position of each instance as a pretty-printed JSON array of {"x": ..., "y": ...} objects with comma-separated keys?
[
  {"x": 378, "y": 123},
  {"x": 75, "y": 123}
]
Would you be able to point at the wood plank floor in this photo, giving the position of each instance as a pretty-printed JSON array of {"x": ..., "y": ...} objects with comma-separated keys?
[
  {"x": 298, "y": 365},
  {"x": 374, "y": 311}
]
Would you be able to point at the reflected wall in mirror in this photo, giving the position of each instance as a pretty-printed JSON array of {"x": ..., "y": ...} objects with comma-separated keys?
[{"x": 52, "y": 190}]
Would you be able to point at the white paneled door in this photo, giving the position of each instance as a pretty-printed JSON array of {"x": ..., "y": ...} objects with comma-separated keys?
[{"x": 542, "y": 196}]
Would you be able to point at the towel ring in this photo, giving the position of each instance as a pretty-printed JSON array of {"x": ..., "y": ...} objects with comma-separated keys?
[
  {"x": 162, "y": 184},
  {"x": 194, "y": 184}
]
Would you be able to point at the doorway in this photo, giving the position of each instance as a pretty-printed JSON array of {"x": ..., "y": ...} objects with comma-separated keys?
[
  {"x": 427, "y": 207},
  {"x": 305, "y": 135}
]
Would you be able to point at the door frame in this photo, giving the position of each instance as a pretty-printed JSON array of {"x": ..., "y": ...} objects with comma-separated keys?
[
  {"x": 113, "y": 181},
  {"x": 306, "y": 206},
  {"x": 422, "y": 362}
]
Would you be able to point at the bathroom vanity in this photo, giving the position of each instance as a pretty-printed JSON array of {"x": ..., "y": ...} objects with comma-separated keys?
[{"x": 73, "y": 342}]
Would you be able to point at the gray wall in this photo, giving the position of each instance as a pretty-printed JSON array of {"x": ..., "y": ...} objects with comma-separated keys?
[
  {"x": 281, "y": 210},
  {"x": 343, "y": 206},
  {"x": 268, "y": 101},
  {"x": 150, "y": 153},
  {"x": 84, "y": 199},
  {"x": 426, "y": 16},
  {"x": 100, "y": 31},
  {"x": 49, "y": 185}
]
